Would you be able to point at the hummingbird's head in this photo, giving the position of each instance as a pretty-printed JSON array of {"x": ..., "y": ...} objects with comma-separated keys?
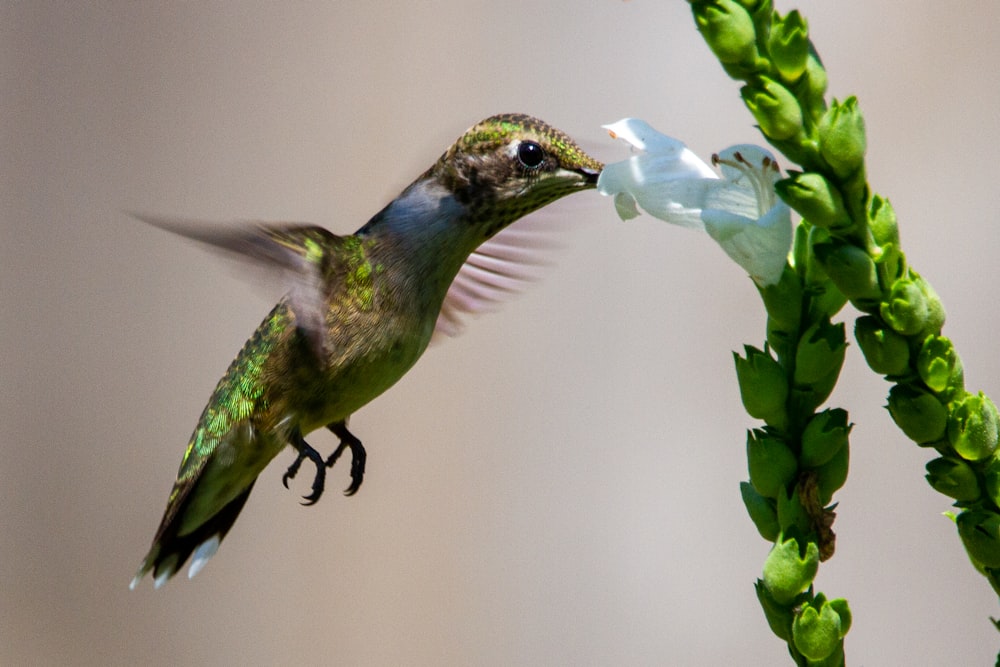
[{"x": 510, "y": 165}]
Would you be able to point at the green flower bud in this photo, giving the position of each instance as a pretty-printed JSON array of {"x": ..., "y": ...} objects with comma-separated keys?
[
  {"x": 882, "y": 219},
  {"x": 912, "y": 306},
  {"x": 783, "y": 300},
  {"x": 842, "y": 140},
  {"x": 788, "y": 45},
  {"x": 751, "y": 6},
  {"x": 781, "y": 338},
  {"x": 762, "y": 512},
  {"x": 810, "y": 397},
  {"x": 826, "y": 298},
  {"x": 918, "y": 414},
  {"x": 771, "y": 463},
  {"x": 802, "y": 245},
  {"x": 814, "y": 198},
  {"x": 786, "y": 573},
  {"x": 763, "y": 385},
  {"x": 973, "y": 427},
  {"x": 814, "y": 90},
  {"x": 905, "y": 308},
  {"x": 935, "y": 309},
  {"x": 831, "y": 475},
  {"x": 820, "y": 352},
  {"x": 779, "y": 617},
  {"x": 824, "y": 436},
  {"x": 991, "y": 480},
  {"x": 816, "y": 631},
  {"x": 792, "y": 516},
  {"x": 954, "y": 478},
  {"x": 729, "y": 31},
  {"x": 851, "y": 270},
  {"x": 774, "y": 108},
  {"x": 885, "y": 232},
  {"x": 843, "y": 610},
  {"x": 938, "y": 364},
  {"x": 980, "y": 533},
  {"x": 885, "y": 350}
]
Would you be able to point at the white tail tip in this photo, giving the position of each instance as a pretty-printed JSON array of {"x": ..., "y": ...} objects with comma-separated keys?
[{"x": 202, "y": 554}]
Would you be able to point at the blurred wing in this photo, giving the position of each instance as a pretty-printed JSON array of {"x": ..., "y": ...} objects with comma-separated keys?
[
  {"x": 295, "y": 252},
  {"x": 500, "y": 268}
]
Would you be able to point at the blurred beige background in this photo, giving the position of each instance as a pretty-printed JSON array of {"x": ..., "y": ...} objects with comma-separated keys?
[{"x": 557, "y": 486}]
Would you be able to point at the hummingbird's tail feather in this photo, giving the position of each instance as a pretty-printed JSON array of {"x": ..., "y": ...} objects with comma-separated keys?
[{"x": 170, "y": 551}]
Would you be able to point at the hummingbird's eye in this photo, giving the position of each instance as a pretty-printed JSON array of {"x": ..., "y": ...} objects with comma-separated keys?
[{"x": 530, "y": 154}]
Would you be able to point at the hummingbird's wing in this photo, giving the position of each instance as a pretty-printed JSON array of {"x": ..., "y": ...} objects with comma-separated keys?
[
  {"x": 295, "y": 251},
  {"x": 498, "y": 269}
]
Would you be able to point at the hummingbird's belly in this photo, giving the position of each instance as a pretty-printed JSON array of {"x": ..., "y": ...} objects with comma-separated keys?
[{"x": 355, "y": 381}]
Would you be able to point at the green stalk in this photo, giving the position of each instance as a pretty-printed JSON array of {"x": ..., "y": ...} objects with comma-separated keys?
[{"x": 846, "y": 249}]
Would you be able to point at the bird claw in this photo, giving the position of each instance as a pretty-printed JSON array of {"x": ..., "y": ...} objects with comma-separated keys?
[
  {"x": 358, "y": 456},
  {"x": 306, "y": 451}
]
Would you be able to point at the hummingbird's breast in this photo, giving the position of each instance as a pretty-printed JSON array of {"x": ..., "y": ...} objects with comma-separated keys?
[{"x": 367, "y": 350}]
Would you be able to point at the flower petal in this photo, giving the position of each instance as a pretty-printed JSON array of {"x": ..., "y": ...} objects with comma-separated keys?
[
  {"x": 668, "y": 181},
  {"x": 740, "y": 211},
  {"x": 760, "y": 246},
  {"x": 625, "y": 206},
  {"x": 641, "y": 135}
]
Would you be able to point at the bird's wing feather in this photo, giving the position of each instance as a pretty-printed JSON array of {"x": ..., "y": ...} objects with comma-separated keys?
[
  {"x": 293, "y": 251},
  {"x": 498, "y": 269}
]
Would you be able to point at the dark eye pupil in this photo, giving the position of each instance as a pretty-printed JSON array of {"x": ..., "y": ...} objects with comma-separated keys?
[{"x": 530, "y": 154}]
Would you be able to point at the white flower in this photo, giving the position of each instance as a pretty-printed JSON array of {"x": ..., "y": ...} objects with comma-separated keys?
[{"x": 740, "y": 210}]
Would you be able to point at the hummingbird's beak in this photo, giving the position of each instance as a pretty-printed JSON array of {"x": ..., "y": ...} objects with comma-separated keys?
[{"x": 590, "y": 175}]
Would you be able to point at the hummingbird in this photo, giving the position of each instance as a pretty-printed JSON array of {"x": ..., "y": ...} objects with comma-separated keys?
[{"x": 360, "y": 311}]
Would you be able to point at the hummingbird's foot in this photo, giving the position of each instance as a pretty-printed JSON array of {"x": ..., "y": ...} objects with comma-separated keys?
[
  {"x": 305, "y": 451},
  {"x": 358, "y": 455}
]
